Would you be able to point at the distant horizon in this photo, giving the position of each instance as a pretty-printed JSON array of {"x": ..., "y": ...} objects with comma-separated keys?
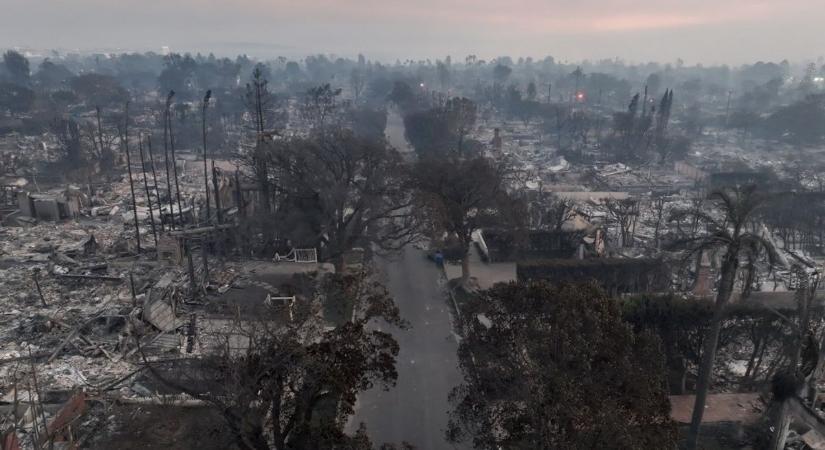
[
  {"x": 708, "y": 32},
  {"x": 254, "y": 50}
]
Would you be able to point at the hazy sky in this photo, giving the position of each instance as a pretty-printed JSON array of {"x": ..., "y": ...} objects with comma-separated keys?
[{"x": 708, "y": 31}]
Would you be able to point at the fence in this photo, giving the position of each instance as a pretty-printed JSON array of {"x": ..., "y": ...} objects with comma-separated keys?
[{"x": 300, "y": 255}]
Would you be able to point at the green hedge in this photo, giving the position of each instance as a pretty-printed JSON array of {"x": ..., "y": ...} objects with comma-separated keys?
[{"x": 616, "y": 275}]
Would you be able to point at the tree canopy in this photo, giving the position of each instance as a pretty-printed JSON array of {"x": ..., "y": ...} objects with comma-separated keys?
[
  {"x": 17, "y": 67},
  {"x": 557, "y": 367},
  {"x": 458, "y": 196},
  {"x": 441, "y": 129},
  {"x": 293, "y": 386},
  {"x": 15, "y": 98},
  {"x": 98, "y": 90},
  {"x": 349, "y": 190}
]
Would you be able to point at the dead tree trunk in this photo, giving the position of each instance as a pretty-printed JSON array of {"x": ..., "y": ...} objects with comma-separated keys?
[
  {"x": 155, "y": 178},
  {"x": 146, "y": 189},
  {"x": 175, "y": 171},
  {"x": 131, "y": 180}
]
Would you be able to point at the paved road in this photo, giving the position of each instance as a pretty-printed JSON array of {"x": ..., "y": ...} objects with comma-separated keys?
[
  {"x": 416, "y": 409},
  {"x": 395, "y": 131}
]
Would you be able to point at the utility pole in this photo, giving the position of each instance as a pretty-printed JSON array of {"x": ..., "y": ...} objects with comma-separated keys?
[
  {"x": 166, "y": 157},
  {"x": 599, "y": 120},
  {"x": 131, "y": 180},
  {"x": 727, "y": 108},
  {"x": 644, "y": 103},
  {"x": 154, "y": 177},
  {"x": 205, "y": 170},
  {"x": 146, "y": 189},
  {"x": 175, "y": 169}
]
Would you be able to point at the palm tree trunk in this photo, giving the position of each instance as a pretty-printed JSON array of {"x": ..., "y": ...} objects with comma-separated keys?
[
  {"x": 710, "y": 345},
  {"x": 703, "y": 382}
]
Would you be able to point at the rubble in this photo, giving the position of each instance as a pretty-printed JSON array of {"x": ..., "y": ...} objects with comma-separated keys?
[{"x": 82, "y": 308}]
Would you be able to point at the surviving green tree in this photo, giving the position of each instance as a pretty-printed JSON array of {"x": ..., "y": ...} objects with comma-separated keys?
[{"x": 557, "y": 367}]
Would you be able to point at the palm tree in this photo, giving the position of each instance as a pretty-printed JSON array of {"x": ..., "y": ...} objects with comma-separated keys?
[{"x": 730, "y": 232}]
